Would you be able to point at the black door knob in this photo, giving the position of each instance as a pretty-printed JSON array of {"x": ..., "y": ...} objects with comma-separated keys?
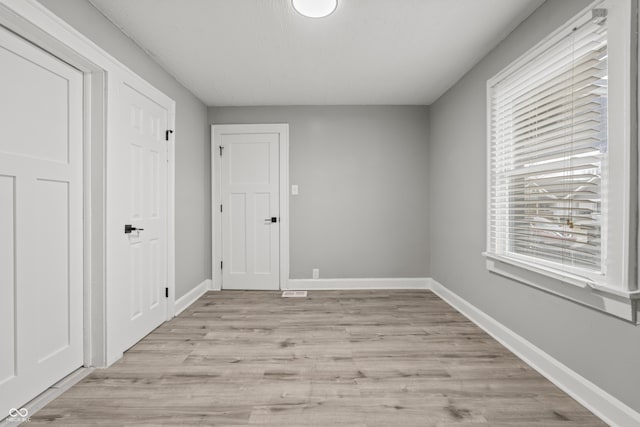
[{"x": 128, "y": 228}]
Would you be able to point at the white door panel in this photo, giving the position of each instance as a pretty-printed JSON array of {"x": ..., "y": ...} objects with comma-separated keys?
[
  {"x": 250, "y": 198},
  {"x": 137, "y": 270},
  {"x": 41, "y": 221}
]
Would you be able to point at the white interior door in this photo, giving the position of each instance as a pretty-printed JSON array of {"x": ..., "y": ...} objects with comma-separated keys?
[
  {"x": 137, "y": 269},
  {"x": 41, "y": 221},
  {"x": 250, "y": 214}
]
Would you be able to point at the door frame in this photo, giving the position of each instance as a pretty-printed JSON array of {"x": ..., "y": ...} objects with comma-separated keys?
[
  {"x": 35, "y": 23},
  {"x": 282, "y": 129}
]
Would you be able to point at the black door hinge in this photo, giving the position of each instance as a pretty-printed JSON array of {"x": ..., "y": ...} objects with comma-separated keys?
[
  {"x": 221, "y": 148},
  {"x": 220, "y": 265},
  {"x": 220, "y": 208},
  {"x": 166, "y": 134},
  {"x": 166, "y": 292}
]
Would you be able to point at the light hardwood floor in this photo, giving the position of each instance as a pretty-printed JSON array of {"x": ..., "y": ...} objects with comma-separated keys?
[{"x": 358, "y": 358}]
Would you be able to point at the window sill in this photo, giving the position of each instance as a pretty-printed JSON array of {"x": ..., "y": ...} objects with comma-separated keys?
[{"x": 615, "y": 302}]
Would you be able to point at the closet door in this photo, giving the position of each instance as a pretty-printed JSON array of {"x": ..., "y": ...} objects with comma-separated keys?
[
  {"x": 41, "y": 221},
  {"x": 137, "y": 233}
]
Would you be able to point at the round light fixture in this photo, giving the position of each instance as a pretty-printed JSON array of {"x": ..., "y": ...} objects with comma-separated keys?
[{"x": 315, "y": 8}]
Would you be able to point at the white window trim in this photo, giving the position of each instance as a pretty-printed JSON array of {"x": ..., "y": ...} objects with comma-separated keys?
[{"x": 622, "y": 298}]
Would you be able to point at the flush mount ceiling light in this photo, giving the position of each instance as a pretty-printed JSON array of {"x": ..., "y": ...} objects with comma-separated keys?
[{"x": 315, "y": 8}]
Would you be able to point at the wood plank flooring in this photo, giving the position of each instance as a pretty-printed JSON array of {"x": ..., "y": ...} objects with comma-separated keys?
[{"x": 357, "y": 358}]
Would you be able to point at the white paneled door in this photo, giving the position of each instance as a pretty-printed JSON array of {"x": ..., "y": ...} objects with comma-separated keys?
[
  {"x": 41, "y": 221},
  {"x": 250, "y": 210},
  {"x": 137, "y": 264}
]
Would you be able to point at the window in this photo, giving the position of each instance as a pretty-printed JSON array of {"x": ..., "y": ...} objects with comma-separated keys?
[{"x": 559, "y": 157}]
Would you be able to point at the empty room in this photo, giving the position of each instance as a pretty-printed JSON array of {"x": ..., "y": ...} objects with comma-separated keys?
[{"x": 319, "y": 213}]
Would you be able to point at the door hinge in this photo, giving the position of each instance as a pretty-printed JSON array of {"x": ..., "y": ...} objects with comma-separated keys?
[
  {"x": 221, "y": 148},
  {"x": 220, "y": 208},
  {"x": 166, "y": 292},
  {"x": 166, "y": 134},
  {"x": 220, "y": 265}
]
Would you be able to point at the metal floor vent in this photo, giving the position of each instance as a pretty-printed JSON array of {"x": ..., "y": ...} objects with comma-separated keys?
[{"x": 294, "y": 294}]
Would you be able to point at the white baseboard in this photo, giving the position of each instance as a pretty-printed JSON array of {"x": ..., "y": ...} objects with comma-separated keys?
[
  {"x": 607, "y": 407},
  {"x": 347, "y": 284},
  {"x": 190, "y": 297}
]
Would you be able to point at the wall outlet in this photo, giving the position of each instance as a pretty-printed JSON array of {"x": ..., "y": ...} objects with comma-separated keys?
[
  {"x": 294, "y": 190},
  {"x": 316, "y": 273}
]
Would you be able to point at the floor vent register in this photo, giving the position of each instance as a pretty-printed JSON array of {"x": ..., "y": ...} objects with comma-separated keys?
[{"x": 294, "y": 294}]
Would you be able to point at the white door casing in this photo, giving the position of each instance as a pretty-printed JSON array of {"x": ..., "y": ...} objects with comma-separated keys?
[
  {"x": 137, "y": 195},
  {"x": 251, "y": 173},
  {"x": 41, "y": 220}
]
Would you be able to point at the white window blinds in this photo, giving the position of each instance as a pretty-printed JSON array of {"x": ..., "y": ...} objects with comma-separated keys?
[{"x": 548, "y": 153}]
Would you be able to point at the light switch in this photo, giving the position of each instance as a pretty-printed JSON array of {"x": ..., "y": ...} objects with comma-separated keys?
[{"x": 294, "y": 190}]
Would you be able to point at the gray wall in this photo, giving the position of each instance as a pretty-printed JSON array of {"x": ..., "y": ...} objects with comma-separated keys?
[
  {"x": 603, "y": 349},
  {"x": 363, "y": 179},
  {"x": 193, "y": 189}
]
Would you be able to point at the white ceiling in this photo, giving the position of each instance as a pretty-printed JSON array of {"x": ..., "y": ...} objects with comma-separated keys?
[{"x": 261, "y": 52}]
